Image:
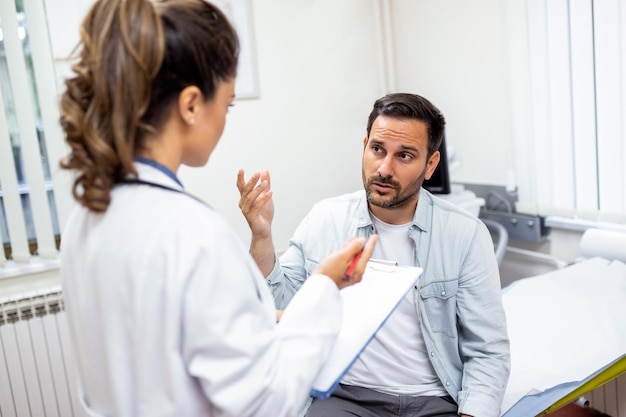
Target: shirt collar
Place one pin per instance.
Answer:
(420, 218)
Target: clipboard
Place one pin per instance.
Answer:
(552, 399)
(366, 307)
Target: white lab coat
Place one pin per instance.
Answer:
(170, 316)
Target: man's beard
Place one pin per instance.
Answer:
(400, 198)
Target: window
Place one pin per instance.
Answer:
(568, 72)
(30, 137)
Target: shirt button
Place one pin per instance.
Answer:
(448, 383)
(443, 293)
(432, 353)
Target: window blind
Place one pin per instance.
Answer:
(31, 139)
(568, 73)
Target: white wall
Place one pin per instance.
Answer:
(454, 53)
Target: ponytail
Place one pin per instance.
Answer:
(121, 49)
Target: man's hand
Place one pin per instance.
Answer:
(257, 206)
(256, 203)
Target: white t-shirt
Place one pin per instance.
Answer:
(395, 362)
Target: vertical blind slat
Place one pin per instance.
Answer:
(8, 177)
(45, 76)
(540, 102)
(560, 123)
(516, 22)
(608, 83)
(584, 109)
(622, 47)
(24, 106)
(11, 194)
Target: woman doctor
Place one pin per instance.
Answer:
(169, 315)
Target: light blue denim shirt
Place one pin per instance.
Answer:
(458, 297)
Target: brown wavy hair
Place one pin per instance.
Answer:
(133, 60)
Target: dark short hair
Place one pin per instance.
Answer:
(411, 107)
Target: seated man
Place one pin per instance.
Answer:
(445, 350)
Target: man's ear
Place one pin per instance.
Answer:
(432, 163)
(189, 101)
(364, 142)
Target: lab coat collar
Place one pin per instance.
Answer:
(149, 173)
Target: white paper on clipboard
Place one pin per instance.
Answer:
(366, 307)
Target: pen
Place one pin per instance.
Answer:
(348, 274)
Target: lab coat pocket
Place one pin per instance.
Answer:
(439, 300)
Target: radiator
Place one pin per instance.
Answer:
(37, 376)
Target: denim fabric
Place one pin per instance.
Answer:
(458, 295)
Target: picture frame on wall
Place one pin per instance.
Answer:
(240, 14)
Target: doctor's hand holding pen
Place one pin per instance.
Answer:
(346, 266)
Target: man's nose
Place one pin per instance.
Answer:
(385, 169)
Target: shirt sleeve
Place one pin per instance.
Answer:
(483, 339)
(290, 270)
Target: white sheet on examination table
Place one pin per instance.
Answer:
(564, 326)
